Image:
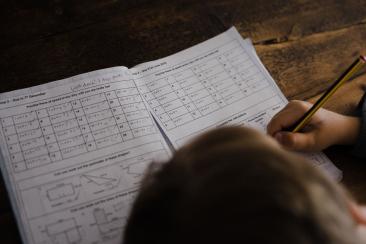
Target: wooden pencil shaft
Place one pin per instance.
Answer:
(350, 71)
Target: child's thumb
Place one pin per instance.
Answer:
(295, 141)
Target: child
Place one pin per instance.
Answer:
(325, 128)
(236, 185)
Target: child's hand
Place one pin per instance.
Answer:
(325, 128)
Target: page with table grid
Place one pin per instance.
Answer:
(216, 83)
(74, 153)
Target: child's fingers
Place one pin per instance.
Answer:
(287, 116)
(358, 212)
(296, 141)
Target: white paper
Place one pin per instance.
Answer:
(74, 151)
(74, 154)
(216, 83)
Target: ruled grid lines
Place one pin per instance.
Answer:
(70, 129)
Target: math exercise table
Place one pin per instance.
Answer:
(304, 45)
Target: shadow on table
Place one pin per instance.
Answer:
(354, 170)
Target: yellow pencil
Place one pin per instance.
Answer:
(355, 66)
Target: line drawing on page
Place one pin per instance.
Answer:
(64, 231)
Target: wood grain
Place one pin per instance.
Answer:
(96, 35)
(305, 67)
(264, 20)
(280, 21)
(305, 45)
(111, 43)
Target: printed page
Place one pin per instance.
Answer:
(216, 83)
(74, 152)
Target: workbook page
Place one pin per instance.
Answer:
(74, 152)
(216, 83)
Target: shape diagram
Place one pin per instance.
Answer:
(99, 180)
(96, 184)
(60, 191)
(64, 231)
(136, 169)
(108, 226)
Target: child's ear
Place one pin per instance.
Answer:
(358, 213)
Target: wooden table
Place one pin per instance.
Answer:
(303, 43)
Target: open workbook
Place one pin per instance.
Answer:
(74, 150)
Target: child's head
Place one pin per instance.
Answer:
(235, 185)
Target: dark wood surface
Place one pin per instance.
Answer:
(303, 43)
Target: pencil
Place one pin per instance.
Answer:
(350, 71)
